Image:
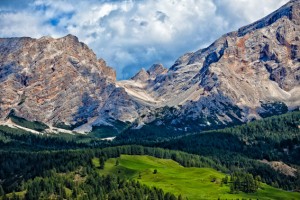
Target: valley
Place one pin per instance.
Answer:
(215, 154)
(221, 122)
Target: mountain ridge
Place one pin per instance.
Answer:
(205, 68)
(242, 76)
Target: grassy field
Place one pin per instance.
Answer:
(193, 183)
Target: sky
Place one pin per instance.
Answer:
(133, 34)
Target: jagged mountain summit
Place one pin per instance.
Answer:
(250, 73)
(54, 80)
(243, 75)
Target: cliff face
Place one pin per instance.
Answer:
(241, 76)
(52, 80)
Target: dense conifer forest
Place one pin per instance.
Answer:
(60, 166)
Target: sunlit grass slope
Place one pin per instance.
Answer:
(193, 183)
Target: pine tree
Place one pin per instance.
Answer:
(1, 191)
(232, 189)
(167, 196)
(14, 196)
(74, 193)
(5, 197)
(226, 179)
(152, 195)
(180, 197)
(172, 197)
(102, 163)
(257, 181)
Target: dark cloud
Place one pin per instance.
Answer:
(161, 16)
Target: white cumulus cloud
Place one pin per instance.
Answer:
(133, 34)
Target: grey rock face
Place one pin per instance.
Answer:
(142, 75)
(52, 80)
(155, 70)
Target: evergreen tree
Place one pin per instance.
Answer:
(241, 181)
(1, 191)
(180, 197)
(226, 179)
(102, 162)
(167, 196)
(74, 193)
(15, 197)
(5, 197)
(172, 197)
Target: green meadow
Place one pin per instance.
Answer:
(191, 183)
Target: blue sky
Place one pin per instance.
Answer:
(133, 34)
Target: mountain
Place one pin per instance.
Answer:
(246, 74)
(53, 80)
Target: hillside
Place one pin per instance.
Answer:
(191, 183)
(253, 146)
(15, 176)
(72, 171)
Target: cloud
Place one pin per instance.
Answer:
(133, 34)
(241, 12)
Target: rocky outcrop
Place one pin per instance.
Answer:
(155, 70)
(52, 80)
(152, 73)
(142, 76)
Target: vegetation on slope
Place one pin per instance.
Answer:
(241, 147)
(35, 125)
(191, 183)
(85, 183)
(17, 167)
(274, 139)
(15, 139)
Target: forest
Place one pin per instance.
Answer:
(36, 167)
(39, 173)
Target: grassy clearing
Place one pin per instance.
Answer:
(193, 183)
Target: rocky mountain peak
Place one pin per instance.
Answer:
(107, 71)
(289, 11)
(151, 73)
(43, 74)
(47, 37)
(156, 70)
(142, 76)
(70, 38)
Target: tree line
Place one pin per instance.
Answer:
(17, 167)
